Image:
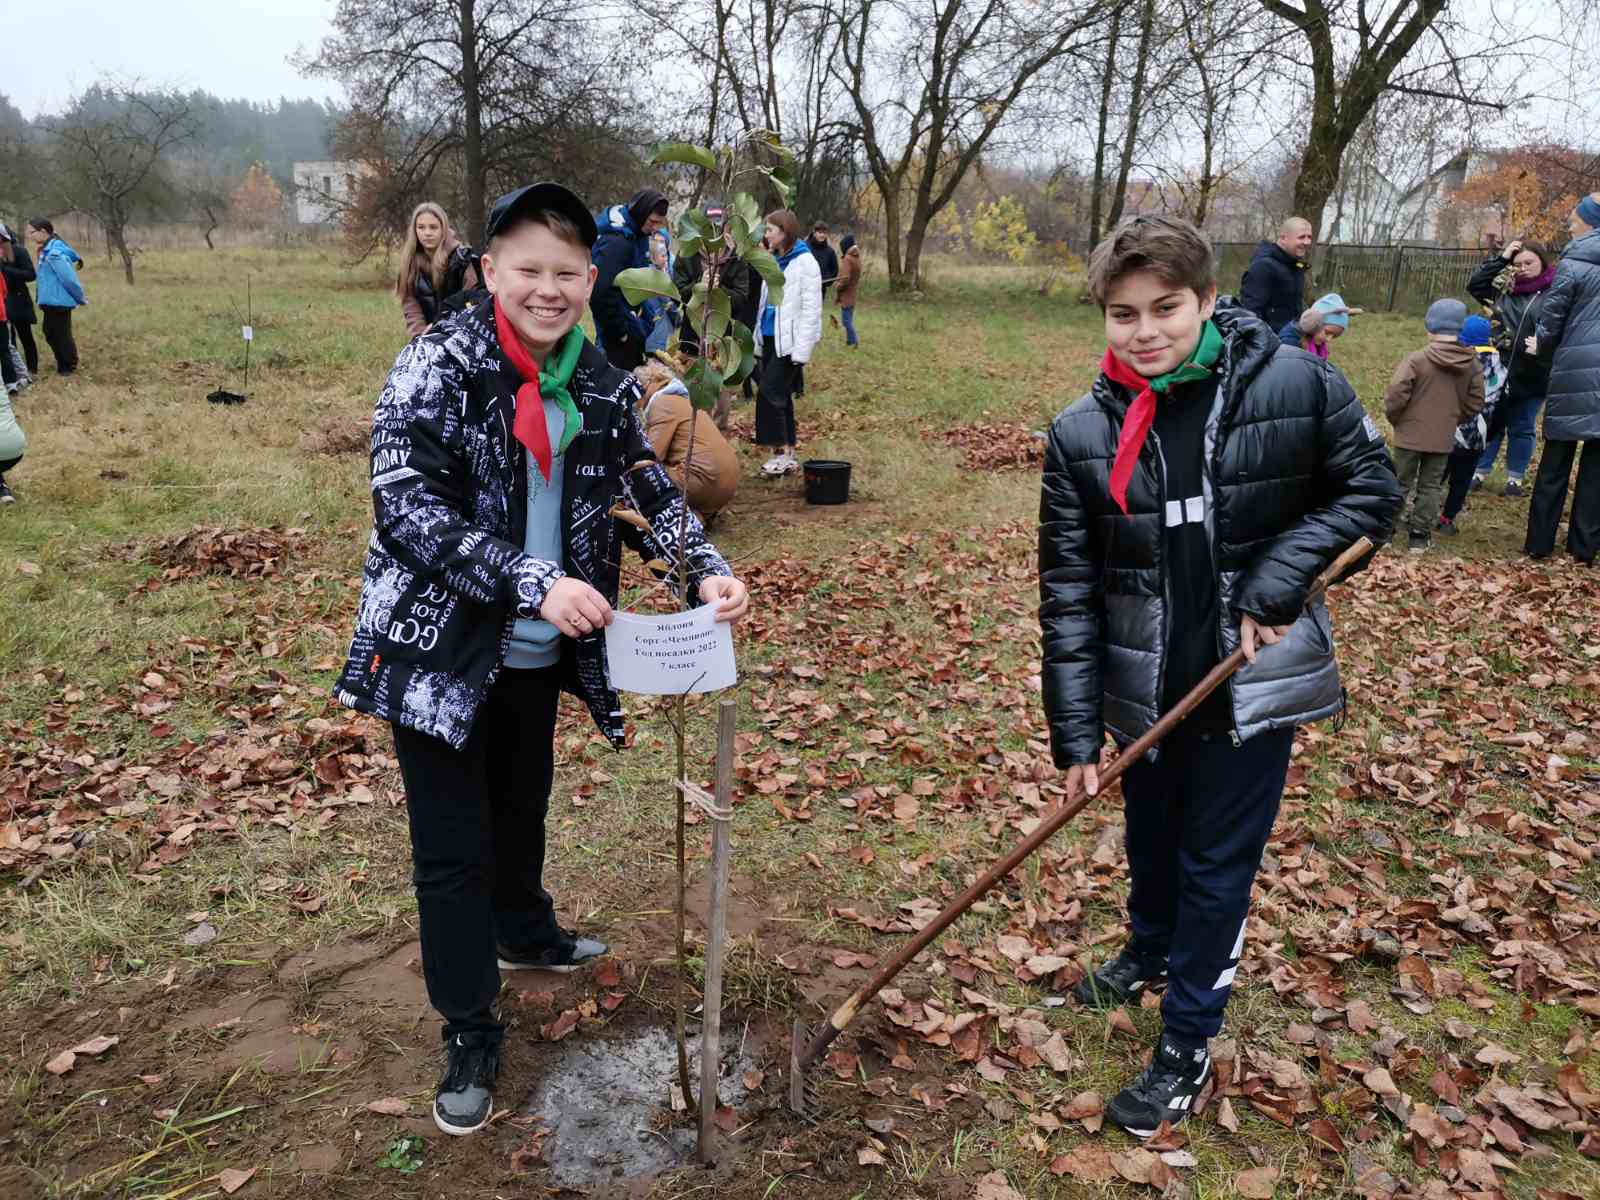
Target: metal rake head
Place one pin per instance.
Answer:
(802, 1084)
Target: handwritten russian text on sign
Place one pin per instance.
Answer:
(670, 655)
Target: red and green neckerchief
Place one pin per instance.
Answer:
(551, 381)
(1142, 412)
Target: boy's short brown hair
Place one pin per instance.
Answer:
(1169, 246)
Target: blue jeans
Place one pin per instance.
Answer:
(847, 315)
(1518, 416)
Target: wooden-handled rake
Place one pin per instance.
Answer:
(805, 1049)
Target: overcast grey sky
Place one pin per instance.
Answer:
(232, 48)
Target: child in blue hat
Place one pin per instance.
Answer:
(1472, 433)
(1319, 325)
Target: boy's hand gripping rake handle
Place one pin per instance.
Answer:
(801, 1058)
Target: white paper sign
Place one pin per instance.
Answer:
(249, 333)
(671, 655)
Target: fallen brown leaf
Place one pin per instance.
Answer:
(1258, 1183)
(1089, 1163)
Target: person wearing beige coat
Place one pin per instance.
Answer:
(712, 472)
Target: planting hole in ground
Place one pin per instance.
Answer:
(606, 1102)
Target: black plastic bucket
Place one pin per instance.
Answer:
(827, 481)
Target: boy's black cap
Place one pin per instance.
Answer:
(548, 196)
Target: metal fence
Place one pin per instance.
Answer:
(1376, 278)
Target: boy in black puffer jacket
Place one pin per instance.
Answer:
(1189, 501)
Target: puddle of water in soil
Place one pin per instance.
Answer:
(605, 1102)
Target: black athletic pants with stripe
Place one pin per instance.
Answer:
(1198, 819)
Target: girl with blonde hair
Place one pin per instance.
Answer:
(433, 267)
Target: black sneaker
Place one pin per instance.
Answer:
(571, 952)
(1513, 488)
(1165, 1090)
(464, 1100)
(1419, 542)
(1120, 980)
(5, 494)
(1477, 482)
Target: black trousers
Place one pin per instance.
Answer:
(8, 369)
(1458, 480)
(478, 842)
(1550, 497)
(775, 398)
(1198, 819)
(23, 332)
(58, 333)
(7, 465)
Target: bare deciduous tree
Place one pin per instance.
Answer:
(932, 84)
(501, 87)
(1359, 50)
(110, 155)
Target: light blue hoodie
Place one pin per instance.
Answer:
(58, 276)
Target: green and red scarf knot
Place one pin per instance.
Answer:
(550, 382)
(1141, 413)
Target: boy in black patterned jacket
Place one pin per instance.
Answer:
(500, 443)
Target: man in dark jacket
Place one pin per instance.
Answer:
(734, 276)
(1189, 502)
(622, 244)
(17, 268)
(827, 260)
(500, 443)
(1274, 284)
(1569, 332)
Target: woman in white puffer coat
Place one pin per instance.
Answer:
(786, 334)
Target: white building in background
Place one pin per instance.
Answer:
(321, 188)
(1370, 208)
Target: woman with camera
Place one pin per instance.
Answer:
(1512, 285)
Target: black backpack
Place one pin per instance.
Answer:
(458, 297)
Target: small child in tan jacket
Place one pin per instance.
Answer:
(1433, 390)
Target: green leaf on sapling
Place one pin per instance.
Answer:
(639, 283)
(767, 267)
(704, 382)
(683, 152)
(719, 311)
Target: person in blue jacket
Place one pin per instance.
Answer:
(624, 243)
(56, 264)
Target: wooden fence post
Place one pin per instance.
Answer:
(1394, 277)
(716, 929)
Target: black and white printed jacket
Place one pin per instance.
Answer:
(446, 576)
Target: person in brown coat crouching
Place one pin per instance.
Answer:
(1433, 390)
(712, 474)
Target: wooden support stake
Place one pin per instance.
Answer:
(717, 931)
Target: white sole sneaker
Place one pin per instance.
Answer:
(460, 1130)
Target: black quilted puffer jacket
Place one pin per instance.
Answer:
(1571, 323)
(1295, 471)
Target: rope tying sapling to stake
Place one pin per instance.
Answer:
(705, 801)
